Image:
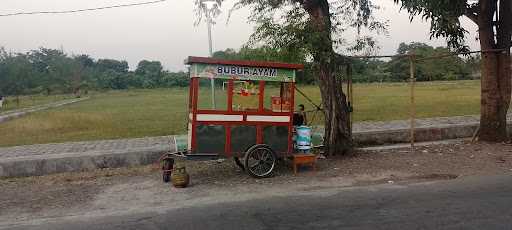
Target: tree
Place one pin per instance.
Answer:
(150, 72)
(228, 54)
(494, 21)
(262, 53)
(447, 68)
(314, 27)
(84, 65)
(52, 68)
(16, 73)
(177, 79)
(368, 70)
(111, 64)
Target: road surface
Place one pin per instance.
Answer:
(468, 203)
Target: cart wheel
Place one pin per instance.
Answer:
(167, 169)
(239, 163)
(260, 161)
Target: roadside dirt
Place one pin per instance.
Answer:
(122, 190)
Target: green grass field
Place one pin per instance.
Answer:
(140, 113)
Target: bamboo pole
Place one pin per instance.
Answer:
(347, 93)
(351, 99)
(412, 81)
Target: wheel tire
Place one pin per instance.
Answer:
(239, 163)
(168, 165)
(260, 161)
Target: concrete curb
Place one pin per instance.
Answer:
(9, 115)
(422, 134)
(73, 162)
(407, 146)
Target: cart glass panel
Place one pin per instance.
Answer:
(278, 96)
(276, 137)
(204, 96)
(246, 95)
(211, 138)
(242, 137)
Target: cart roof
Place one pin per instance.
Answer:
(201, 67)
(206, 60)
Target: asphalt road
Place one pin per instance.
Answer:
(470, 203)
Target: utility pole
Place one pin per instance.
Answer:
(208, 6)
(209, 32)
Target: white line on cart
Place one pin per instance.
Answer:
(268, 118)
(219, 117)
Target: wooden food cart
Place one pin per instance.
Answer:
(250, 120)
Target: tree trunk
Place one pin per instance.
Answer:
(493, 106)
(496, 74)
(337, 136)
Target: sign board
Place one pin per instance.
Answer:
(240, 72)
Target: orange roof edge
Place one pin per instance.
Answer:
(206, 60)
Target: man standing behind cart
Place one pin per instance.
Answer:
(299, 117)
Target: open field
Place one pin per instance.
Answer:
(139, 113)
(391, 101)
(10, 103)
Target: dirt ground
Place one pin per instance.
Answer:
(122, 190)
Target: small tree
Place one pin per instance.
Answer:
(151, 72)
(494, 21)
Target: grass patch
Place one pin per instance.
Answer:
(11, 103)
(391, 101)
(140, 113)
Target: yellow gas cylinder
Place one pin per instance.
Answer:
(180, 177)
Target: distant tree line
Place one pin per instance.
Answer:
(375, 70)
(436, 69)
(52, 71)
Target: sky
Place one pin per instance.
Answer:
(162, 32)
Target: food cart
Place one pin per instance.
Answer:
(250, 120)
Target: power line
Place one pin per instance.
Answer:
(81, 10)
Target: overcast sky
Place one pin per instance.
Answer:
(163, 32)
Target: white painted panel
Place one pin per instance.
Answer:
(219, 117)
(268, 118)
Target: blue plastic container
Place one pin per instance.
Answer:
(303, 139)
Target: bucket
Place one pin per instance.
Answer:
(181, 143)
(303, 140)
